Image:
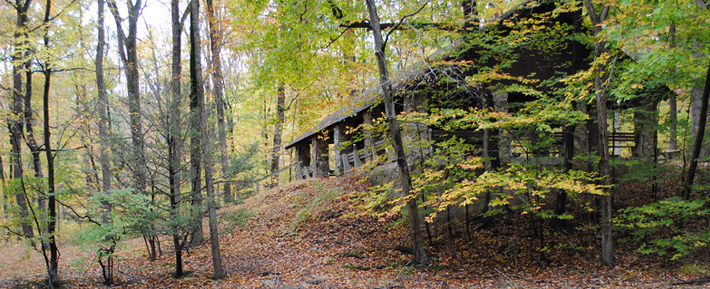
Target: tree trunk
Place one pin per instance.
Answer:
(102, 107)
(196, 101)
(278, 127)
(687, 188)
(604, 167)
(608, 258)
(51, 203)
(218, 80)
(5, 199)
(421, 257)
(173, 135)
(569, 130)
(696, 115)
(15, 124)
(53, 265)
(211, 206)
(672, 101)
(491, 154)
(29, 128)
(673, 125)
(127, 45)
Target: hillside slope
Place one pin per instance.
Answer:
(301, 235)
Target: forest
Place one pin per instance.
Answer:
(343, 144)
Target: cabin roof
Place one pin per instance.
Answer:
(366, 99)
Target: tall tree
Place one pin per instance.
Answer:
(53, 262)
(199, 126)
(102, 104)
(216, 42)
(672, 101)
(173, 132)
(597, 17)
(278, 131)
(127, 47)
(687, 188)
(701, 121)
(196, 115)
(421, 257)
(20, 56)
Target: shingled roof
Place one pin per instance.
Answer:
(357, 104)
(365, 100)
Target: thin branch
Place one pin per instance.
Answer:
(45, 23)
(185, 14)
(336, 38)
(400, 23)
(592, 12)
(604, 14)
(121, 34)
(11, 4)
(11, 231)
(84, 217)
(611, 73)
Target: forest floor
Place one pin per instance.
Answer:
(301, 235)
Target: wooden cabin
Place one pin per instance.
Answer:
(420, 88)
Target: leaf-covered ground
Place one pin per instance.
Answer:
(302, 236)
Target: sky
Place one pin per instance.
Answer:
(156, 13)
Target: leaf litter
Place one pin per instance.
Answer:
(303, 235)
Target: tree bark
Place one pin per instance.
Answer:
(196, 115)
(51, 203)
(673, 125)
(15, 121)
(218, 80)
(608, 258)
(696, 115)
(569, 130)
(687, 187)
(278, 127)
(173, 134)
(421, 257)
(127, 45)
(672, 101)
(197, 105)
(211, 206)
(53, 264)
(29, 128)
(102, 107)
